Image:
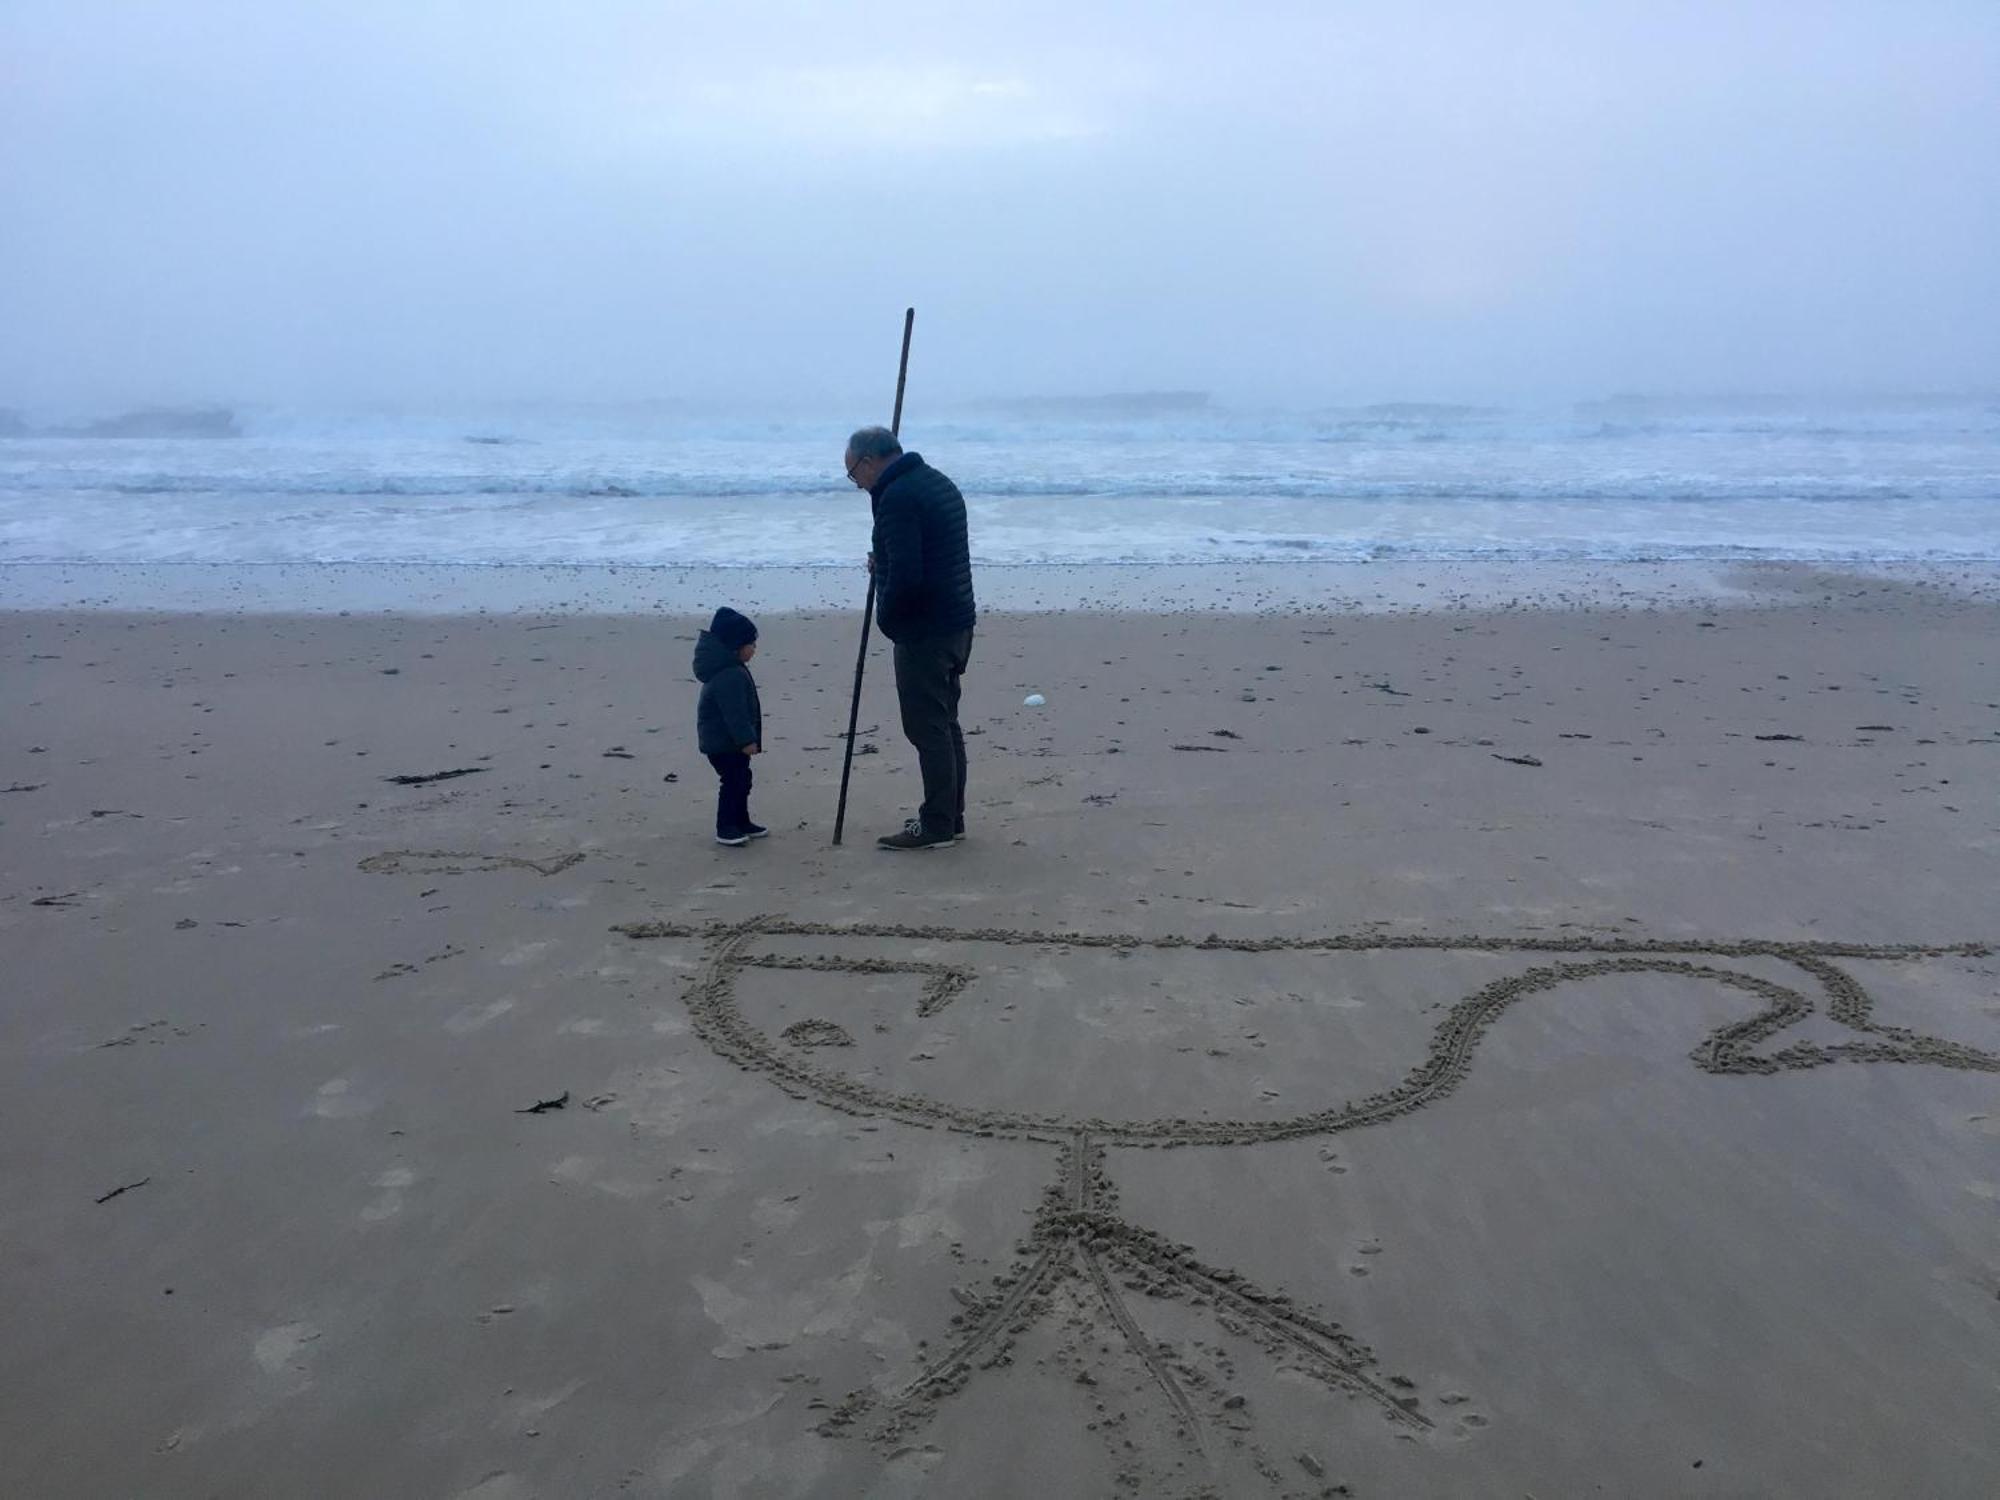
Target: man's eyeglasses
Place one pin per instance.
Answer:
(851, 463)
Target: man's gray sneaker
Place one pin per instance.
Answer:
(914, 837)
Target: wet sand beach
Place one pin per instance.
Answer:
(1474, 1051)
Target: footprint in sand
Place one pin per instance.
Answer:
(389, 1202)
(285, 1351)
(759, 1317)
(473, 1017)
(772, 1212)
(499, 1485)
(336, 1099)
(582, 1172)
(536, 1406)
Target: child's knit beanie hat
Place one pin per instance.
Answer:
(733, 630)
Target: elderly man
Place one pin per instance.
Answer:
(923, 594)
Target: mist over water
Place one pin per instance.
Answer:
(1284, 203)
(499, 284)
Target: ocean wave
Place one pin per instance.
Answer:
(1271, 554)
(1651, 488)
(1630, 481)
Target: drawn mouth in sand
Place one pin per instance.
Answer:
(759, 975)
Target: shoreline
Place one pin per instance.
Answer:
(1226, 588)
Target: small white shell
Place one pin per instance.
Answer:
(1033, 700)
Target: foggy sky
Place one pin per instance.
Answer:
(1290, 203)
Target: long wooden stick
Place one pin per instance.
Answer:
(868, 607)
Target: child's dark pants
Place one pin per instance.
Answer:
(732, 802)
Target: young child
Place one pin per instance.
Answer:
(730, 721)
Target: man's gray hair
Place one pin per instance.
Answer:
(873, 442)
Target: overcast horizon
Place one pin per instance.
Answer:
(1291, 205)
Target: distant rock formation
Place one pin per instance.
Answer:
(160, 422)
(1115, 404)
(1421, 411)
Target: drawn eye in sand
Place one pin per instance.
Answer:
(1201, 1043)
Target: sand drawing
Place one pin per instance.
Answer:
(446, 862)
(1084, 1255)
(816, 1032)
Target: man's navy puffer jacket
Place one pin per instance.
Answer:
(923, 563)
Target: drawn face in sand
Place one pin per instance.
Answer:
(1238, 1043)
